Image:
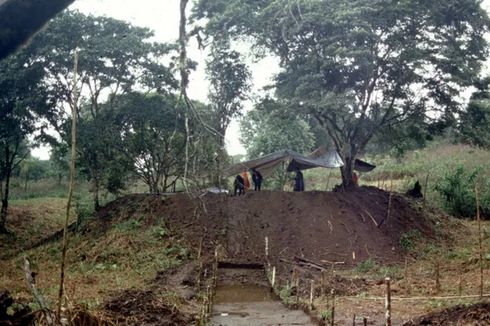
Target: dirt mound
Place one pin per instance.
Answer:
(346, 227)
(478, 314)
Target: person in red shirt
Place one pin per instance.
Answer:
(246, 180)
(355, 179)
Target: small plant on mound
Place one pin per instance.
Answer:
(409, 239)
(366, 266)
(326, 315)
(285, 293)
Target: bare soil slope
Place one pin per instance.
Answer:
(322, 226)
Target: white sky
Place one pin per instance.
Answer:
(162, 16)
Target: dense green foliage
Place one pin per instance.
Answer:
(153, 138)
(229, 80)
(457, 187)
(359, 66)
(23, 104)
(475, 120)
(270, 127)
(114, 58)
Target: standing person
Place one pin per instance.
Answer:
(355, 179)
(257, 179)
(238, 183)
(246, 180)
(299, 184)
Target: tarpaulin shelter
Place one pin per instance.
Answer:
(332, 158)
(319, 158)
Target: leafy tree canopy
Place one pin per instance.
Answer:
(269, 127)
(360, 65)
(475, 120)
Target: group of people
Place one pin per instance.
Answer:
(242, 182)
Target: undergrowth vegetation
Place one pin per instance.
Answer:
(126, 255)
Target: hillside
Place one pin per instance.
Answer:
(136, 261)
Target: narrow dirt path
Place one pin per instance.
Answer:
(243, 298)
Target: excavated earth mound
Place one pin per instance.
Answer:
(303, 229)
(348, 227)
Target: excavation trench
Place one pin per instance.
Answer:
(243, 297)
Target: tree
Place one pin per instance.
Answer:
(358, 66)
(474, 125)
(154, 138)
(229, 84)
(413, 133)
(114, 58)
(23, 104)
(270, 127)
(33, 168)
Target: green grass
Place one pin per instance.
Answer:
(435, 160)
(127, 255)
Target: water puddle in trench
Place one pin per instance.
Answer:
(238, 293)
(243, 298)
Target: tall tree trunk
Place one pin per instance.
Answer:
(346, 172)
(221, 159)
(5, 202)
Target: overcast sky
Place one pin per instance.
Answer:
(162, 16)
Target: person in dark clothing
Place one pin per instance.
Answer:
(239, 185)
(299, 184)
(416, 191)
(257, 179)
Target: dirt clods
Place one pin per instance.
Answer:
(478, 314)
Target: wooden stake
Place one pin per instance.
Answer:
(267, 249)
(208, 296)
(460, 286)
(273, 280)
(480, 242)
(323, 282)
(389, 205)
(295, 278)
(437, 276)
(406, 277)
(388, 302)
(354, 320)
(332, 321)
(198, 277)
(364, 321)
(311, 294)
(199, 251)
(425, 189)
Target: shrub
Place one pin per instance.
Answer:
(365, 266)
(409, 239)
(457, 190)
